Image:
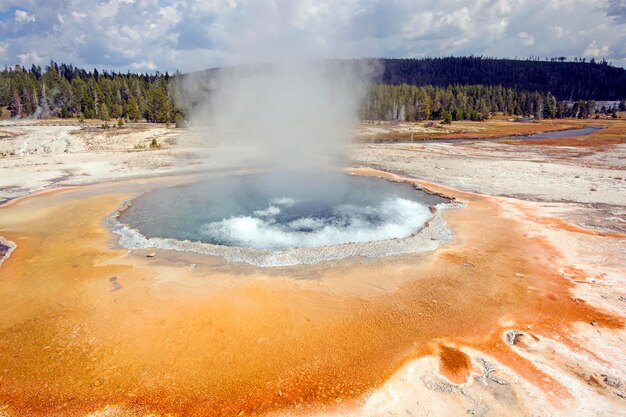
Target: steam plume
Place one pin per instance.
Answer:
(294, 115)
(282, 102)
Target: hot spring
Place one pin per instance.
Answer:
(273, 215)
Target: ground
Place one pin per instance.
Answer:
(522, 314)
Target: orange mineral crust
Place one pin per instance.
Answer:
(454, 364)
(85, 324)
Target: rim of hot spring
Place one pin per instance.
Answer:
(431, 235)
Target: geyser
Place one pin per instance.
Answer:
(298, 210)
(291, 120)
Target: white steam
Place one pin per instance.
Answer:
(284, 116)
(282, 98)
(392, 218)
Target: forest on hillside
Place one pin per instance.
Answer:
(466, 102)
(578, 79)
(407, 90)
(66, 91)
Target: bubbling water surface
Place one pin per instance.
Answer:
(282, 210)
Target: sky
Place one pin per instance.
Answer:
(189, 35)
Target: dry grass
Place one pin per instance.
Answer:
(492, 128)
(614, 134)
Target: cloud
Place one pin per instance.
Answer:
(617, 10)
(22, 17)
(195, 34)
(30, 57)
(77, 15)
(526, 39)
(596, 51)
(558, 31)
(143, 65)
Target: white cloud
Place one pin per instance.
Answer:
(504, 7)
(558, 31)
(526, 38)
(196, 34)
(31, 57)
(80, 39)
(170, 15)
(144, 65)
(131, 33)
(22, 17)
(78, 16)
(596, 51)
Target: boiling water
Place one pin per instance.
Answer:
(282, 210)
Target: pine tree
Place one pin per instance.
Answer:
(133, 110)
(103, 113)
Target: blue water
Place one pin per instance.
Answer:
(277, 211)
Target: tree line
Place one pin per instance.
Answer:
(407, 90)
(465, 102)
(66, 91)
(566, 80)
